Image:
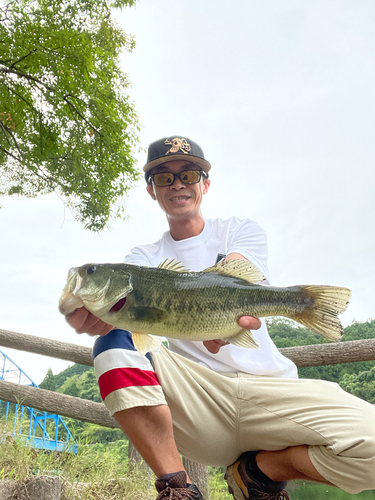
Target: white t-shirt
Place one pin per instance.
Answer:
(218, 239)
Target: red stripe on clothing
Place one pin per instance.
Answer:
(118, 378)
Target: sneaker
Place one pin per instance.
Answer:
(242, 486)
(175, 487)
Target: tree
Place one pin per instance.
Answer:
(71, 386)
(66, 122)
(361, 385)
(89, 388)
(49, 381)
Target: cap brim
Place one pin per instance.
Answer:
(204, 164)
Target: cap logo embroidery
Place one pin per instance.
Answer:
(178, 144)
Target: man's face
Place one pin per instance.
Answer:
(179, 200)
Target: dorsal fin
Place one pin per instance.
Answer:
(173, 265)
(237, 268)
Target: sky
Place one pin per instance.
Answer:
(280, 95)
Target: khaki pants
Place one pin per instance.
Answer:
(219, 416)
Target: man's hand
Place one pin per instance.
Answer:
(249, 323)
(214, 346)
(246, 322)
(85, 322)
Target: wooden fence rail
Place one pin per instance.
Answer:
(88, 411)
(309, 355)
(54, 402)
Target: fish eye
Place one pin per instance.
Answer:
(91, 270)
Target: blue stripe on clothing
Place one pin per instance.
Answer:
(115, 339)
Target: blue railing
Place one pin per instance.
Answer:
(36, 421)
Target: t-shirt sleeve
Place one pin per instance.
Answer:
(137, 257)
(249, 239)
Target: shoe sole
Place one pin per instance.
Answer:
(233, 487)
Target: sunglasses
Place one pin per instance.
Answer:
(186, 177)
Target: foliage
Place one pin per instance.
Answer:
(66, 122)
(53, 382)
(82, 386)
(287, 333)
(217, 485)
(361, 385)
(49, 382)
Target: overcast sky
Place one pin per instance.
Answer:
(280, 95)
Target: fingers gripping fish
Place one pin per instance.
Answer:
(171, 301)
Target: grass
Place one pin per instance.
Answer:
(103, 472)
(89, 475)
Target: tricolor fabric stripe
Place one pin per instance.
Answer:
(126, 379)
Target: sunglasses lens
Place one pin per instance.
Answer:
(190, 176)
(167, 178)
(163, 179)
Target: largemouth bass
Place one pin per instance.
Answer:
(171, 301)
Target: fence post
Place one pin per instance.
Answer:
(198, 473)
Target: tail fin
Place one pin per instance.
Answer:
(326, 303)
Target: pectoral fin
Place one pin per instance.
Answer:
(243, 339)
(145, 343)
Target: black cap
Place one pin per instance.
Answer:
(174, 148)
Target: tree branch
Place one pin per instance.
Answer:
(16, 144)
(5, 132)
(28, 77)
(10, 154)
(51, 89)
(5, 9)
(24, 57)
(50, 181)
(30, 105)
(71, 105)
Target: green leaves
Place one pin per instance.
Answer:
(361, 385)
(66, 123)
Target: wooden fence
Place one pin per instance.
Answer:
(96, 413)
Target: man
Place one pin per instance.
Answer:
(215, 403)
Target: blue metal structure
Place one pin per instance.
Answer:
(43, 430)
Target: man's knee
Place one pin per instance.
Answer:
(349, 460)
